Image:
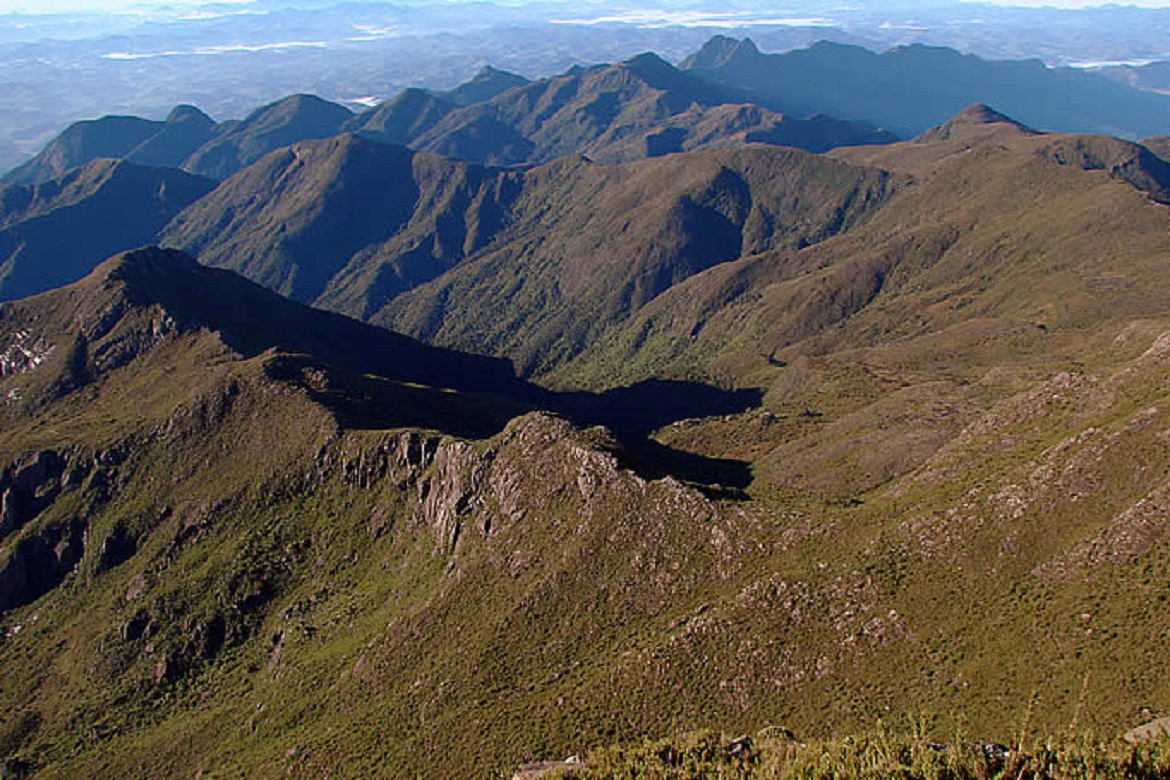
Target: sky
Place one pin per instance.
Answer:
(54, 6)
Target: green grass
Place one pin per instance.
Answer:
(940, 498)
(877, 755)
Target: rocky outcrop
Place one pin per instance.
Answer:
(455, 485)
(44, 547)
(1148, 732)
(27, 487)
(23, 352)
(39, 562)
(447, 477)
(454, 491)
(546, 770)
(117, 548)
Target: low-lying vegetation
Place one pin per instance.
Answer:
(774, 754)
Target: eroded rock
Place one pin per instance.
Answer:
(27, 487)
(23, 352)
(1148, 732)
(39, 562)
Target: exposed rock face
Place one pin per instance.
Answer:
(38, 563)
(456, 486)
(47, 548)
(454, 491)
(115, 549)
(27, 487)
(24, 352)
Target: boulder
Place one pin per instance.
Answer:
(1148, 732)
(549, 769)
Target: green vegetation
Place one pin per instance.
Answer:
(876, 755)
(271, 540)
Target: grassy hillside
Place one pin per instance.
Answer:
(586, 246)
(262, 554)
(531, 264)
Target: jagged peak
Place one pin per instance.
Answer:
(720, 51)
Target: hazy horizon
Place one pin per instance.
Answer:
(122, 6)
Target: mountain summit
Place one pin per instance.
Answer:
(722, 51)
(976, 115)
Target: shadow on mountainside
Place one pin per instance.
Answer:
(633, 413)
(371, 378)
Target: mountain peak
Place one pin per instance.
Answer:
(291, 119)
(188, 113)
(721, 51)
(648, 59)
(652, 69)
(973, 116)
(981, 114)
(251, 319)
(487, 73)
(484, 86)
(140, 266)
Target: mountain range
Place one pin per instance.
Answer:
(728, 92)
(747, 437)
(643, 107)
(909, 89)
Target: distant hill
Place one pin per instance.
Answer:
(345, 217)
(909, 89)
(408, 115)
(585, 246)
(1152, 76)
(83, 142)
(1159, 145)
(187, 139)
(185, 130)
(54, 232)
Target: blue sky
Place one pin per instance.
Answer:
(53, 6)
(48, 6)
